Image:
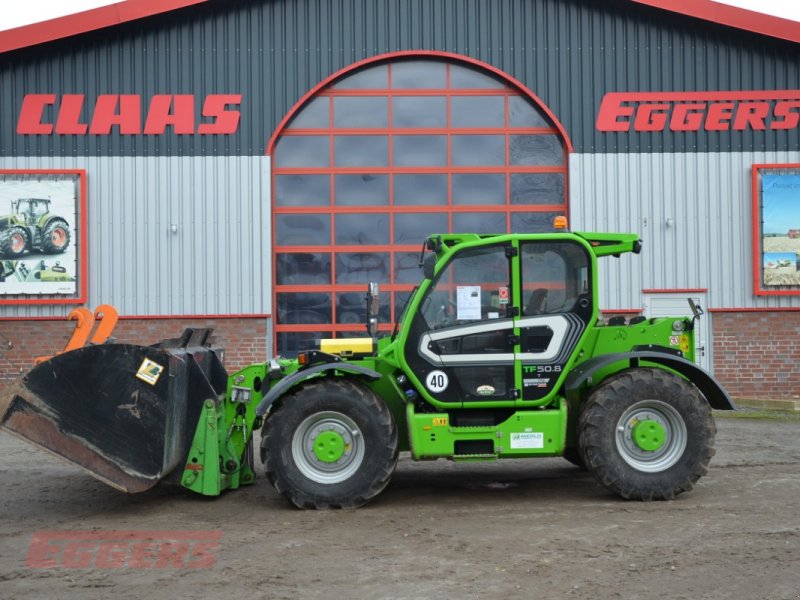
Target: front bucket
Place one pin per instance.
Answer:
(123, 412)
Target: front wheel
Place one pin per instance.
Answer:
(13, 242)
(55, 237)
(647, 434)
(331, 443)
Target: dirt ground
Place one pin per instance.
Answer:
(513, 529)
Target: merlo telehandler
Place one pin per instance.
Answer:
(500, 352)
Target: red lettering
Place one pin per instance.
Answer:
(69, 115)
(172, 554)
(719, 116)
(225, 121)
(106, 115)
(142, 553)
(160, 115)
(611, 110)
(31, 113)
(651, 117)
(751, 114)
(78, 555)
(787, 110)
(111, 555)
(203, 555)
(42, 552)
(687, 117)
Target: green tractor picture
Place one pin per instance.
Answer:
(30, 227)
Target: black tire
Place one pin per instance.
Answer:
(664, 405)
(55, 237)
(13, 242)
(367, 445)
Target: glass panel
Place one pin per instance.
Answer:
(554, 274)
(362, 267)
(479, 222)
(419, 74)
(362, 229)
(533, 222)
(477, 111)
(361, 112)
(375, 77)
(419, 150)
(361, 150)
(420, 189)
(352, 310)
(481, 188)
(479, 150)
(419, 111)
(303, 268)
(289, 344)
(362, 190)
(400, 299)
(406, 267)
(469, 288)
(539, 150)
(465, 77)
(413, 228)
(302, 230)
(303, 151)
(537, 188)
(303, 308)
(313, 115)
(302, 190)
(523, 113)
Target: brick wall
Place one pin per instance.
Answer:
(757, 354)
(244, 340)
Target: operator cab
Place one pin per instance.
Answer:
(500, 320)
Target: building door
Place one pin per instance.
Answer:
(675, 304)
(381, 155)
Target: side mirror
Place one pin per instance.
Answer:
(373, 308)
(429, 266)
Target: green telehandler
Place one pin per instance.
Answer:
(499, 352)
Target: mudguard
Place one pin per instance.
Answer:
(287, 383)
(714, 393)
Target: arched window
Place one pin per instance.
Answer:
(386, 154)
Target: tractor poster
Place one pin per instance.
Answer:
(780, 205)
(38, 241)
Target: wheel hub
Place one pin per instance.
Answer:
(649, 435)
(329, 446)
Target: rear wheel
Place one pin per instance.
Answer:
(330, 444)
(13, 242)
(55, 237)
(647, 434)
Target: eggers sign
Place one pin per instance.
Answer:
(692, 111)
(219, 114)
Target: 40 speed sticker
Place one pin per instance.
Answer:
(437, 381)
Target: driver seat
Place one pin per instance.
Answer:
(536, 302)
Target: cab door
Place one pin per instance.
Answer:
(461, 339)
(556, 308)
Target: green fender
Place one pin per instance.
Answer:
(287, 383)
(714, 393)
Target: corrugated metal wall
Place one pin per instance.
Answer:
(708, 244)
(219, 260)
(569, 52)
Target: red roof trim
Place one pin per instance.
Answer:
(88, 20)
(732, 16)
